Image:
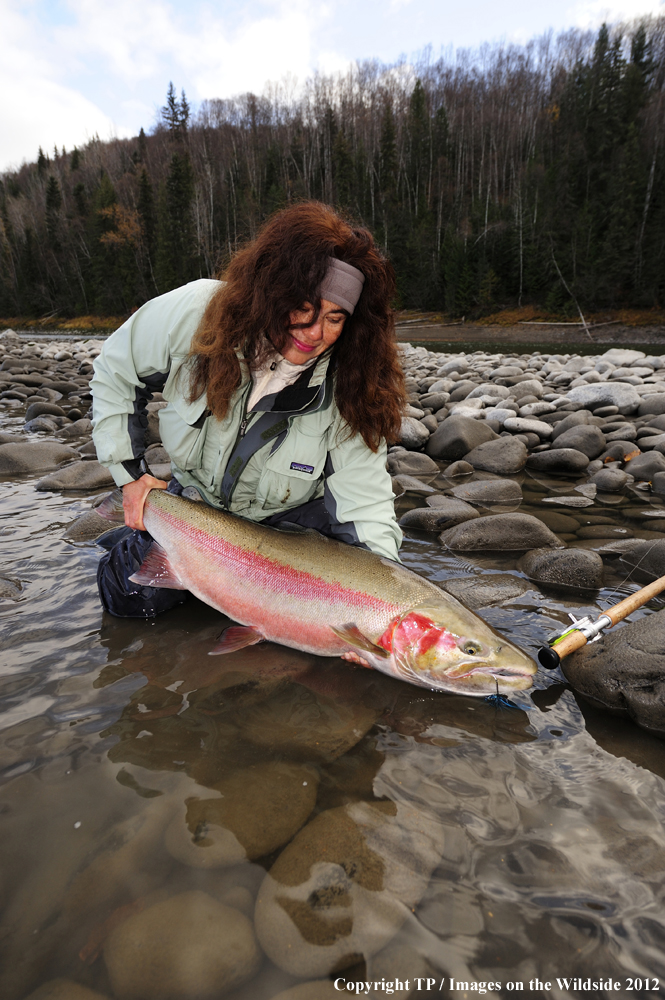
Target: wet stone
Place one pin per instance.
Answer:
(33, 456)
(610, 480)
(504, 455)
(484, 591)
(261, 807)
(557, 522)
(343, 887)
(65, 989)
(188, 946)
(658, 482)
(652, 404)
(625, 671)
(413, 463)
(620, 451)
(603, 394)
(642, 467)
(10, 588)
(485, 491)
(437, 518)
(569, 567)
(562, 460)
(460, 468)
(40, 424)
(526, 425)
(604, 531)
(457, 436)
(39, 409)
(498, 532)
(588, 439)
(413, 433)
(88, 475)
(79, 427)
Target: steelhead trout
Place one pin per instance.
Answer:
(322, 596)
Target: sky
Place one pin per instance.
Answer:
(71, 69)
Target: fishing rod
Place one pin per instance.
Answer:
(585, 630)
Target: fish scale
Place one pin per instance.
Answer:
(322, 596)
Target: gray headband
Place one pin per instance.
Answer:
(342, 284)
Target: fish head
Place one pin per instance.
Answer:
(451, 649)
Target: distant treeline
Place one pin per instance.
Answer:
(511, 175)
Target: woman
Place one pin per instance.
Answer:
(283, 386)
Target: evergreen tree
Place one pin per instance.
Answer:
(176, 252)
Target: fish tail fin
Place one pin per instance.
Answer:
(111, 508)
(157, 571)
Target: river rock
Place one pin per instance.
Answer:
(489, 389)
(625, 671)
(12, 438)
(528, 387)
(620, 451)
(619, 356)
(563, 460)
(408, 484)
(187, 946)
(39, 409)
(643, 467)
(486, 491)
(89, 475)
(434, 400)
(261, 807)
(500, 532)
(610, 480)
(40, 424)
(316, 989)
(603, 394)
(435, 517)
(556, 521)
(588, 439)
(649, 556)
(462, 390)
(484, 591)
(458, 469)
(11, 589)
(33, 456)
(652, 404)
(572, 420)
(457, 436)
(413, 433)
(658, 482)
(655, 443)
(66, 388)
(76, 429)
(65, 989)
(345, 884)
(504, 455)
(580, 568)
(527, 425)
(411, 463)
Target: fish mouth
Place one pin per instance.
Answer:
(472, 678)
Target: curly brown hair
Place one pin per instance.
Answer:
(276, 274)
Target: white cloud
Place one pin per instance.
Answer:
(592, 13)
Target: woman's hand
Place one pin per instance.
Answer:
(133, 499)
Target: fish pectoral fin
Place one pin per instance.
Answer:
(111, 508)
(236, 637)
(351, 633)
(157, 571)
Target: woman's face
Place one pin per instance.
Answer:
(304, 341)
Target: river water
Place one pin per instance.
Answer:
(546, 850)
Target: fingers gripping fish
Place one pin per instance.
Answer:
(321, 596)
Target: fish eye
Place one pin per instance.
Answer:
(471, 648)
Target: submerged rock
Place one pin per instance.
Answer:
(484, 591)
(610, 480)
(486, 491)
(409, 484)
(457, 436)
(435, 518)
(33, 456)
(580, 568)
(10, 589)
(65, 989)
(261, 807)
(510, 532)
(503, 456)
(625, 671)
(89, 475)
(345, 884)
(187, 946)
(458, 469)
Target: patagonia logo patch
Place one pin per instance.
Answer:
(299, 467)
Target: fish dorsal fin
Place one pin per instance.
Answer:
(351, 633)
(157, 571)
(236, 637)
(111, 508)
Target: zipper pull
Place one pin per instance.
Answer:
(243, 427)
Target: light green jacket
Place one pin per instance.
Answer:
(149, 353)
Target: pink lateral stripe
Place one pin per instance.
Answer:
(261, 571)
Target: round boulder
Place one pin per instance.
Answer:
(528, 425)
(486, 491)
(652, 404)
(642, 467)
(435, 517)
(458, 469)
(588, 439)
(457, 436)
(484, 591)
(500, 532)
(39, 409)
(345, 884)
(261, 807)
(413, 433)
(625, 671)
(603, 394)
(610, 480)
(187, 946)
(411, 463)
(504, 455)
(89, 475)
(563, 460)
(33, 456)
(579, 568)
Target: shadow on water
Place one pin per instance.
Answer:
(325, 819)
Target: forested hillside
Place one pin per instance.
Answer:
(507, 176)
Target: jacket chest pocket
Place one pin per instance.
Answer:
(291, 475)
(183, 441)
